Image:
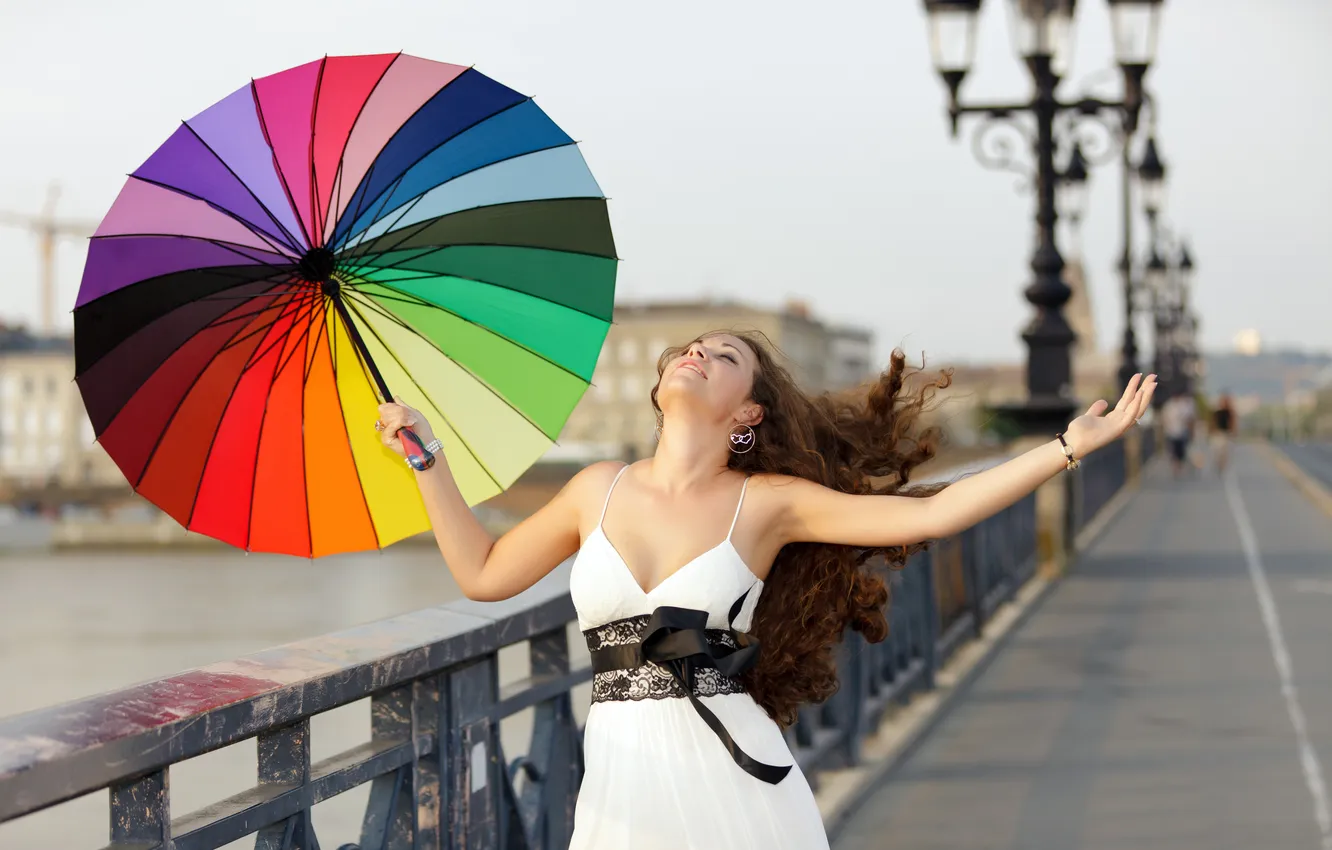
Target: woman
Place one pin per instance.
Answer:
(1223, 427)
(750, 526)
(1177, 424)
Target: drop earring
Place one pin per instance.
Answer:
(742, 441)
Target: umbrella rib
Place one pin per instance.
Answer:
(212, 442)
(409, 298)
(233, 247)
(310, 308)
(308, 366)
(407, 208)
(294, 243)
(258, 311)
(447, 420)
(382, 197)
(475, 377)
(241, 280)
(254, 477)
(496, 284)
(371, 168)
(342, 414)
(305, 466)
(418, 227)
(172, 418)
(211, 324)
(418, 198)
(300, 305)
(278, 246)
(305, 331)
(282, 178)
(241, 297)
(310, 160)
(432, 248)
(335, 202)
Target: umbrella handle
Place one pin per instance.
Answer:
(418, 456)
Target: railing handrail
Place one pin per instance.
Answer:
(52, 754)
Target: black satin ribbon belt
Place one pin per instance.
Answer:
(676, 639)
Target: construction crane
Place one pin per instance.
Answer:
(48, 229)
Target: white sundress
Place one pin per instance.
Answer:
(658, 776)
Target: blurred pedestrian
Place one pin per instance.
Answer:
(1223, 429)
(1178, 418)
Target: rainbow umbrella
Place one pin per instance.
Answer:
(320, 240)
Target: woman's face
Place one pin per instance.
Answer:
(716, 371)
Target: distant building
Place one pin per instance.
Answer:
(851, 357)
(45, 436)
(615, 417)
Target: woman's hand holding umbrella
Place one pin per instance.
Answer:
(396, 417)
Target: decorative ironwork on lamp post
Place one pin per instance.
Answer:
(1042, 36)
(1169, 286)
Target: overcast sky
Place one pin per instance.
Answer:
(756, 150)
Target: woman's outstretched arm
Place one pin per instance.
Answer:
(810, 512)
(487, 569)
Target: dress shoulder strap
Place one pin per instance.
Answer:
(606, 504)
(738, 506)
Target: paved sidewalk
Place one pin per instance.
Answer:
(1142, 706)
(1315, 459)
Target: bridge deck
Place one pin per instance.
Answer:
(1143, 705)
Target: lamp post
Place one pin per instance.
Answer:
(1151, 181)
(1042, 37)
(1170, 285)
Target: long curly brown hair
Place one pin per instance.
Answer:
(856, 443)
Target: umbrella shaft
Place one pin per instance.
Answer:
(384, 394)
(418, 456)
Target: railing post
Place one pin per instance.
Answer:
(971, 555)
(857, 692)
(427, 788)
(141, 811)
(929, 615)
(284, 759)
(472, 756)
(553, 764)
(403, 810)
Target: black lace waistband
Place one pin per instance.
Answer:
(623, 673)
(673, 654)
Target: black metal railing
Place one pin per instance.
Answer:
(1100, 477)
(1147, 445)
(437, 772)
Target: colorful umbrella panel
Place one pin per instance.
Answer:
(443, 215)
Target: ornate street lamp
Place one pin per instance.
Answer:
(1150, 173)
(1170, 284)
(1159, 283)
(1151, 177)
(1071, 193)
(1042, 35)
(1134, 26)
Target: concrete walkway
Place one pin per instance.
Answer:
(1174, 691)
(1314, 458)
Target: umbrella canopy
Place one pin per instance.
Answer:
(322, 235)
